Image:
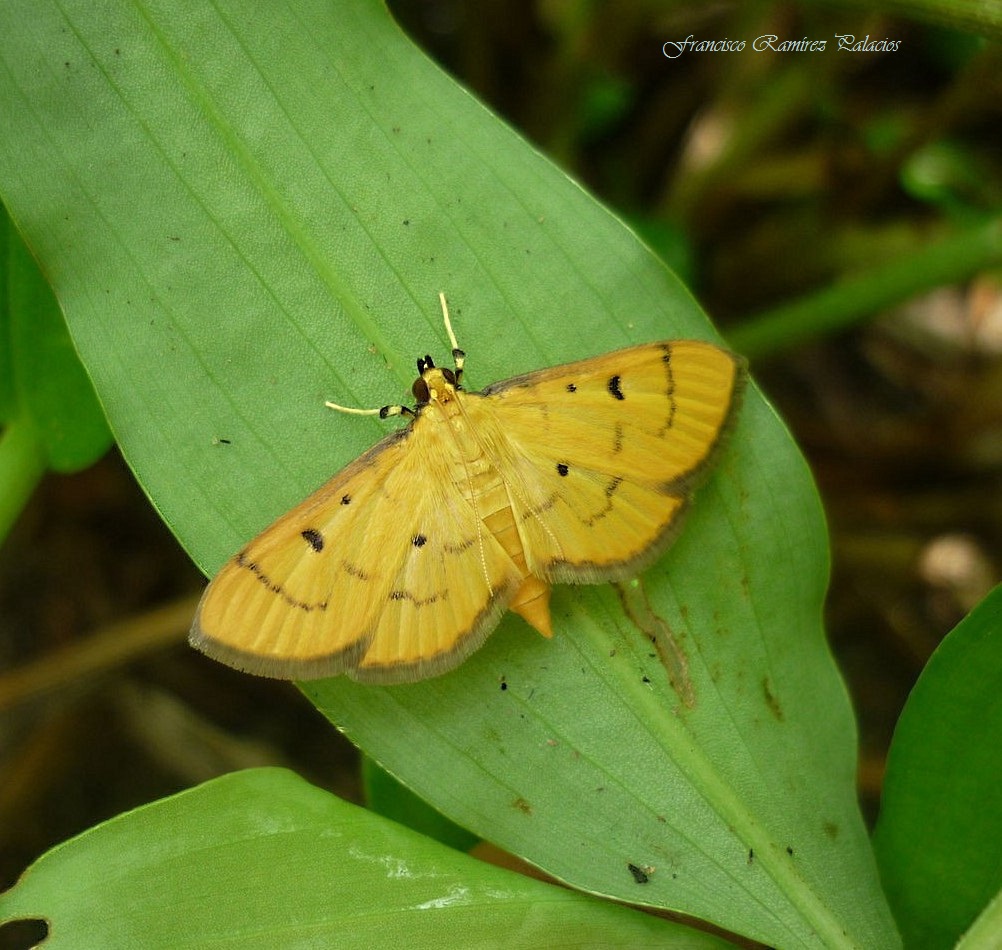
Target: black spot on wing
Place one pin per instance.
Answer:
(562, 469)
(571, 388)
(613, 387)
(419, 540)
(314, 539)
(346, 499)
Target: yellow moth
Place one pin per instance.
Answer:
(404, 562)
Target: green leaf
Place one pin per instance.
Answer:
(937, 839)
(323, 873)
(387, 797)
(48, 384)
(48, 411)
(255, 213)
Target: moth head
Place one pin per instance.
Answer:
(438, 384)
(434, 384)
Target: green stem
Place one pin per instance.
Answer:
(858, 298)
(22, 464)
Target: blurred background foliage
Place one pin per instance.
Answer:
(770, 181)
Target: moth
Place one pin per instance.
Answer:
(405, 561)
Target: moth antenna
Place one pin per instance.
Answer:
(383, 412)
(457, 354)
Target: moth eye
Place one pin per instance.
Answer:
(420, 391)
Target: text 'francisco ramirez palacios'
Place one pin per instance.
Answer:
(844, 42)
